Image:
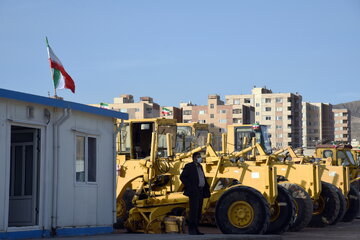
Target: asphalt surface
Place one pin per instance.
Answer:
(348, 231)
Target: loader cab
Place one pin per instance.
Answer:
(190, 136)
(340, 155)
(134, 137)
(237, 134)
(356, 155)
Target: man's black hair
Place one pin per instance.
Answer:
(195, 156)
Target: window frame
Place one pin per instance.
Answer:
(86, 158)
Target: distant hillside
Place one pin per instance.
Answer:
(354, 108)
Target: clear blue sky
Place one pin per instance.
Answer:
(183, 50)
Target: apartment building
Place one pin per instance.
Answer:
(171, 113)
(145, 108)
(281, 112)
(318, 123)
(217, 114)
(342, 125)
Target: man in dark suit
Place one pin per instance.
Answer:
(196, 188)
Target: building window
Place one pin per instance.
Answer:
(257, 113)
(236, 101)
(236, 111)
(237, 120)
(211, 106)
(278, 126)
(124, 110)
(247, 100)
(267, 100)
(267, 117)
(222, 121)
(187, 121)
(211, 115)
(223, 111)
(202, 121)
(137, 109)
(148, 110)
(279, 135)
(279, 109)
(85, 159)
(289, 99)
(279, 144)
(211, 125)
(257, 105)
(201, 112)
(278, 117)
(267, 109)
(278, 100)
(187, 112)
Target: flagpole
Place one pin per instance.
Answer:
(47, 45)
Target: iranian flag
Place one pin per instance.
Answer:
(166, 111)
(60, 77)
(104, 105)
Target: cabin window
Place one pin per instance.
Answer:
(86, 151)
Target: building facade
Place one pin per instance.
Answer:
(342, 125)
(145, 108)
(281, 112)
(318, 123)
(57, 167)
(217, 114)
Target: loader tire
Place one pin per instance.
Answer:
(125, 203)
(326, 208)
(242, 210)
(342, 209)
(353, 200)
(356, 184)
(283, 212)
(303, 206)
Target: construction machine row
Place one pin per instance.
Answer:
(253, 190)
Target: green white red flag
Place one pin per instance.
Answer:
(166, 112)
(60, 77)
(104, 105)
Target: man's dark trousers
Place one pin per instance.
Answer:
(195, 206)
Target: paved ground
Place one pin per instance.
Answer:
(348, 231)
(341, 230)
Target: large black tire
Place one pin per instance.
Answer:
(283, 212)
(343, 204)
(126, 203)
(242, 210)
(353, 200)
(356, 184)
(303, 206)
(326, 208)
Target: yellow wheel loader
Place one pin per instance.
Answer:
(321, 198)
(229, 172)
(337, 156)
(148, 174)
